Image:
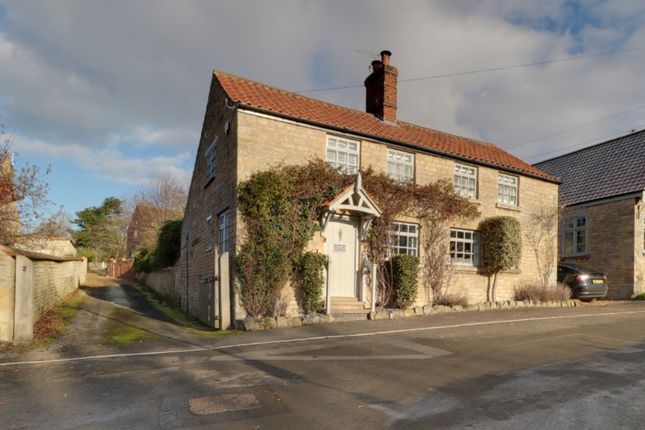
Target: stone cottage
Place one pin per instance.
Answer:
(603, 220)
(249, 126)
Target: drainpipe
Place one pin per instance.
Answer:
(328, 297)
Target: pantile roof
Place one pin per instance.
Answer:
(260, 97)
(608, 169)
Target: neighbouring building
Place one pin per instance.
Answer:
(9, 220)
(249, 126)
(142, 230)
(603, 218)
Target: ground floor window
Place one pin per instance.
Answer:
(404, 238)
(574, 235)
(464, 247)
(223, 231)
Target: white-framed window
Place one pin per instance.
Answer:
(464, 247)
(343, 154)
(211, 160)
(404, 238)
(209, 233)
(507, 189)
(574, 235)
(400, 165)
(224, 222)
(465, 181)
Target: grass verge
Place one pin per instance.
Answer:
(178, 316)
(640, 296)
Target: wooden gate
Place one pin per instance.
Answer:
(214, 295)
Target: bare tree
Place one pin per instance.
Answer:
(437, 266)
(23, 195)
(542, 237)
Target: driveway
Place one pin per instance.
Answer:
(520, 369)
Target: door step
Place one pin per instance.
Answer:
(347, 316)
(346, 305)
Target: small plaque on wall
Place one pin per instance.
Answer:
(340, 247)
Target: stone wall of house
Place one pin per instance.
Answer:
(196, 263)
(611, 244)
(265, 142)
(55, 280)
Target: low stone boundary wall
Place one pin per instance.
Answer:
(252, 324)
(161, 282)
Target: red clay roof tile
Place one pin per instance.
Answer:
(255, 95)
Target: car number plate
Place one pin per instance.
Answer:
(597, 281)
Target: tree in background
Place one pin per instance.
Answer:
(23, 196)
(101, 230)
(57, 225)
(501, 248)
(543, 238)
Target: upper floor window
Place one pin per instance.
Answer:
(465, 181)
(211, 160)
(224, 220)
(464, 247)
(404, 238)
(400, 165)
(507, 189)
(342, 154)
(574, 235)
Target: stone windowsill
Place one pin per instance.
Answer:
(507, 207)
(475, 202)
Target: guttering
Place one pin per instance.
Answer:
(395, 142)
(588, 203)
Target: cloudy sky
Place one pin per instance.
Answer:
(112, 94)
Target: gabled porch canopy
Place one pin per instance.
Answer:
(352, 200)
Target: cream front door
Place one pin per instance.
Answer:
(342, 245)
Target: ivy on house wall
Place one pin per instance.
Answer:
(281, 208)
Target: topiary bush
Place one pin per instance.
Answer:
(501, 248)
(405, 280)
(309, 279)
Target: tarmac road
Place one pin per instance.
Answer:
(580, 368)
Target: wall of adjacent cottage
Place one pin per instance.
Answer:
(264, 142)
(611, 244)
(639, 249)
(53, 281)
(196, 263)
(7, 296)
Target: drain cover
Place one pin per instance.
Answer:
(223, 403)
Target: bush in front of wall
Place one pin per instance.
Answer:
(405, 269)
(143, 260)
(168, 244)
(309, 278)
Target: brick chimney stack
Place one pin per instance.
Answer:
(380, 89)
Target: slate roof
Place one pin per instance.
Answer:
(608, 169)
(260, 97)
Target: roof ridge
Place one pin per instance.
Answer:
(631, 133)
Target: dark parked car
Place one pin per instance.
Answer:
(585, 284)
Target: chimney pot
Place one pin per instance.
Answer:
(385, 57)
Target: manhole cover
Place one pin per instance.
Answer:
(223, 403)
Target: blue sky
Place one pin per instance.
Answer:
(112, 94)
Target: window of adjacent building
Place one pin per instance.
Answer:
(400, 165)
(465, 181)
(224, 220)
(211, 160)
(343, 154)
(464, 247)
(574, 235)
(507, 189)
(404, 238)
(209, 233)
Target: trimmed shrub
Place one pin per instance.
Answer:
(501, 247)
(143, 260)
(640, 296)
(540, 293)
(405, 269)
(310, 280)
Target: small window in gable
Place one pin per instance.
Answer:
(211, 160)
(343, 154)
(400, 165)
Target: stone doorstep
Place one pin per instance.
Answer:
(253, 324)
